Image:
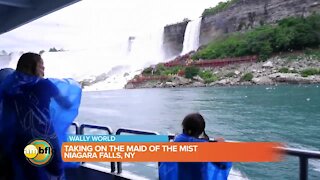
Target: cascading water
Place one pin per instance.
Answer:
(147, 49)
(191, 36)
(102, 69)
(142, 50)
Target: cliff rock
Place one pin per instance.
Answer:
(240, 16)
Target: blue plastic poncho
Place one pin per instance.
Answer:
(193, 170)
(36, 108)
(4, 73)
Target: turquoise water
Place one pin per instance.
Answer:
(288, 114)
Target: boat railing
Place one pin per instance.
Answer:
(88, 126)
(131, 131)
(303, 155)
(80, 130)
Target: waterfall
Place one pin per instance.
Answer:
(109, 67)
(147, 48)
(137, 52)
(142, 50)
(191, 36)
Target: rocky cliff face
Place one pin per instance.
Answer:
(246, 14)
(173, 38)
(241, 16)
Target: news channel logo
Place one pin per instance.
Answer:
(38, 152)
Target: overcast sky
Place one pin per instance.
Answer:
(99, 23)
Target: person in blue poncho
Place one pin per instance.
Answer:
(32, 108)
(5, 72)
(194, 131)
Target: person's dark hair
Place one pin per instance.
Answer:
(194, 125)
(28, 63)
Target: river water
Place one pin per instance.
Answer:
(286, 113)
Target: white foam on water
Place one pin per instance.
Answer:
(236, 175)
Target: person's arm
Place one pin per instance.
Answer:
(55, 93)
(220, 165)
(63, 101)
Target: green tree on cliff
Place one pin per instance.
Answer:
(294, 33)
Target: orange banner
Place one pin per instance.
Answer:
(171, 152)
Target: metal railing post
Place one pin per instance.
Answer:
(303, 168)
(131, 131)
(76, 125)
(304, 156)
(105, 128)
(119, 167)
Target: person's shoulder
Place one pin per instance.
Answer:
(45, 82)
(5, 72)
(180, 138)
(48, 86)
(185, 138)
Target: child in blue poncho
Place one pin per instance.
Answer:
(194, 131)
(32, 108)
